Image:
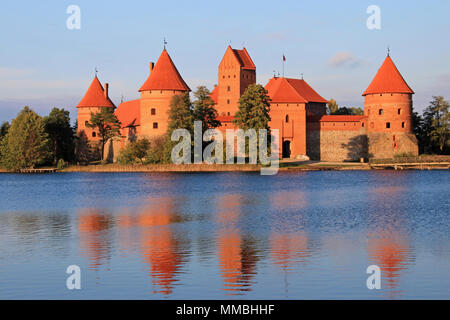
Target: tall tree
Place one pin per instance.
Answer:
(107, 125)
(254, 108)
(181, 116)
(253, 113)
(61, 134)
(332, 106)
(203, 109)
(26, 144)
(437, 122)
(4, 129)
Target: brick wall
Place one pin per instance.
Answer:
(328, 145)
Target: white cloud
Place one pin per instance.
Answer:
(344, 59)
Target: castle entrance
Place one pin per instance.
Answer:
(286, 152)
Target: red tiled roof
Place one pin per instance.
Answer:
(244, 59)
(286, 90)
(225, 118)
(129, 113)
(95, 96)
(215, 94)
(388, 80)
(165, 76)
(336, 118)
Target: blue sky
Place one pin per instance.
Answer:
(43, 64)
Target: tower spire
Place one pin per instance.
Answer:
(388, 51)
(164, 42)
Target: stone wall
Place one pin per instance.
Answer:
(384, 145)
(327, 145)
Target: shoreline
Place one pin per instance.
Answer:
(285, 165)
(228, 168)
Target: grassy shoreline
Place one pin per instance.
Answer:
(284, 166)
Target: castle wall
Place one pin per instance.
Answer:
(290, 120)
(336, 140)
(336, 145)
(384, 145)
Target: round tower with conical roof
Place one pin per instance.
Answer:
(388, 107)
(157, 92)
(93, 101)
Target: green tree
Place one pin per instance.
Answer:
(26, 144)
(254, 108)
(4, 129)
(61, 134)
(436, 123)
(106, 124)
(203, 109)
(136, 150)
(357, 111)
(253, 113)
(332, 106)
(181, 116)
(141, 148)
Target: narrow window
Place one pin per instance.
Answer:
(228, 101)
(153, 111)
(155, 125)
(228, 113)
(380, 112)
(388, 125)
(287, 118)
(403, 124)
(399, 111)
(86, 122)
(229, 88)
(362, 125)
(94, 134)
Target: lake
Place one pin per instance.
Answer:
(299, 235)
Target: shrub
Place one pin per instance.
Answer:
(61, 164)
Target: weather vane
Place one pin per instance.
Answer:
(302, 75)
(388, 50)
(96, 71)
(165, 42)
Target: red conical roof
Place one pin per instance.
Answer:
(165, 76)
(287, 90)
(388, 80)
(95, 96)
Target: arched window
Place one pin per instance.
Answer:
(155, 125)
(388, 125)
(153, 111)
(403, 124)
(380, 112)
(229, 88)
(94, 134)
(287, 118)
(399, 111)
(228, 101)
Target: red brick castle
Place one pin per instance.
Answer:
(297, 111)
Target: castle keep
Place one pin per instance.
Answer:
(297, 111)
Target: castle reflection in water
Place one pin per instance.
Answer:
(155, 231)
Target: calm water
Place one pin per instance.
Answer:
(225, 235)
